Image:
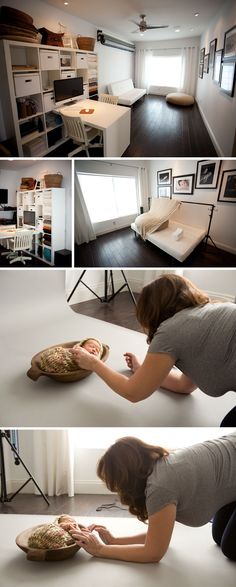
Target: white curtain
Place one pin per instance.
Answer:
(142, 56)
(54, 461)
(84, 231)
(143, 187)
(189, 70)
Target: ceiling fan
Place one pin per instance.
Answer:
(143, 26)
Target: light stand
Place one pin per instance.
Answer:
(212, 209)
(106, 298)
(4, 496)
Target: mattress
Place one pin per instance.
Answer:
(179, 249)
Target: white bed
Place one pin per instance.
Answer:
(179, 249)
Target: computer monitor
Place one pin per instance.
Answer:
(29, 218)
(67, 90)
(3, 196)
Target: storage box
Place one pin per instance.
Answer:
(68, 74)
(49, 60)
(81, 61)
(48, 101)
(26, 84)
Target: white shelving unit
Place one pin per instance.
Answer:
(28, 71)
(48, 219)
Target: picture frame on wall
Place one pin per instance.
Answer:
(217, 66)
(227, 77)
(164, 177)
(202, 55)
(183, 184)
(200, 70)
(212, 50)
(206, 63)
(227, 191)
(229, 51)
(164, 192)
(207, 174)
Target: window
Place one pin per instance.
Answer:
(164, 71)
(109, 197)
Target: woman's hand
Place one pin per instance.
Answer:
(103, 533)
(87, 541)
(84, 359)
(132, 361)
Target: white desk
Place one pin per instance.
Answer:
(35, 315)
(114, 121)
(192, 559)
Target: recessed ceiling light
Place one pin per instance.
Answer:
(66, 3)
(196, 14)
(177, 30)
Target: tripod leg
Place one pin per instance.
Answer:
(3, 474)
(26, 469)
(129, 288)
(76, 285)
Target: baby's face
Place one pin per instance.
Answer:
(92, 346)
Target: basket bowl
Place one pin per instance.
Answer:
(35, 371)
(43, 554)
(86, 43)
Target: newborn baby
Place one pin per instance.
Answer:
(60, 359)
(54, 535)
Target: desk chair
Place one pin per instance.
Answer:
(21, 241)
(79, 133)
(108, 98)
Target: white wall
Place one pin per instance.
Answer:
(223, 224)
(217, 108)
(9, 181)
(113, 64)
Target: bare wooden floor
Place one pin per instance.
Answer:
(122, 248)
(79, 505)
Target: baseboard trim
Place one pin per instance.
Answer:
(213, 138)
(85, 487)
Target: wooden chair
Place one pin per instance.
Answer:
(81, 134)
(22, 241)
(108, 98)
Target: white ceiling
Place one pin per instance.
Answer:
(17, 164)
(116, 16)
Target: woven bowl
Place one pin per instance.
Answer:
(35, 372)
(41, 554)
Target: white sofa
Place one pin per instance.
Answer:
(126, 92)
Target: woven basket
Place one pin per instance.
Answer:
(53, 180)
(86, 43)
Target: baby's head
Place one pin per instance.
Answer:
(93, 346)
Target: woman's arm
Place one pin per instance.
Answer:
(146, 379)
(108, 538)
(160, 528)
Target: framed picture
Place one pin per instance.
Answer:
(217, 66)
(230, 44)
(202, 55)
(227, 77)
(227, 191)
(164, 192)
(183, 184)
(207, 175)
(212, 53)
(200, 70)
(206, 63)
(164, 177)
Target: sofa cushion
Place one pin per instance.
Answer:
(128, 98)
(180, 99)
(120, 87)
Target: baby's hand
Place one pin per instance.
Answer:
(132, 361)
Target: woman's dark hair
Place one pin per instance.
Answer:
(163, 298)
(125, 467)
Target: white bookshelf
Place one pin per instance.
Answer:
(48, 219)
(28, 72)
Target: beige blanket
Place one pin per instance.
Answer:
(159, 213)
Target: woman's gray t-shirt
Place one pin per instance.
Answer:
(202, 341)
(199, 480)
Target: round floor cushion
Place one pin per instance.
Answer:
(180, 99)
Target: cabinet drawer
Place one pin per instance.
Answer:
(48, 101)
(81, 61)
(49, 60)
(27, 84)
(67, 74)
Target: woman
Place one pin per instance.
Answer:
(184, 330)
(187, 485)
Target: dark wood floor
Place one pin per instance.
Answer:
(122, 248)
(79, 505)
(33, 262)
(159, 129)
(119, 311)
